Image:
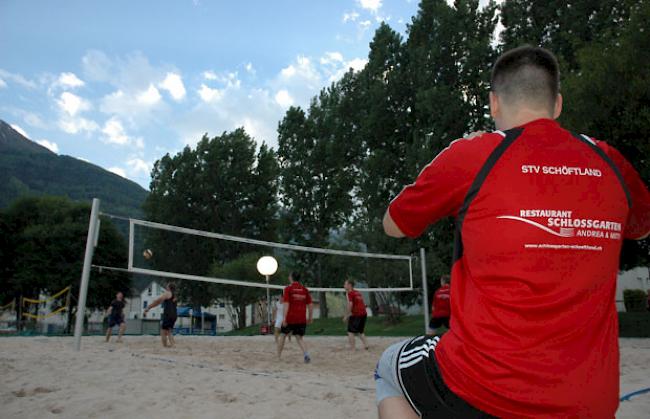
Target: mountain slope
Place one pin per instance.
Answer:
(27, 168)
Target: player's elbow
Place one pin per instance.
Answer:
(390, 228)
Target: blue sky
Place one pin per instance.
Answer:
(120, 83)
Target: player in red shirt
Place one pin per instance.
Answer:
(297, 301)
(440, 306)
(355, 315)
(541, 214)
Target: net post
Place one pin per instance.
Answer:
(268, 305)
(131, 241)
(425, 293)
(85, 273)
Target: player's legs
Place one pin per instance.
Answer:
(121, 332)
(280, 345)
(276, 334)
(163, 337)
(108, 333)
(351, 341)
(170, 338)
(391, 401)
(396, 408)
(362, 336)
(303, 346)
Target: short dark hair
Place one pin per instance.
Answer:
(350, 281)
(295, 276)
(171, 286)
(527, 74)
(445, 279)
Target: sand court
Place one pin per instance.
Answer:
(216, 377)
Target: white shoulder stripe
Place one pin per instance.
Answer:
(586, 137)
(503, 134)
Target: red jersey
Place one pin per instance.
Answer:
(298, 297)
(358, 306)
(540, 218)
(440, 304)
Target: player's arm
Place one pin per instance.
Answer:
(390, 228)
(275, 312)
(310, 309)
(638, 221)
(438, 191)
(109, 310)
(166, 296)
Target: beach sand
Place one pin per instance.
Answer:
(216, 377)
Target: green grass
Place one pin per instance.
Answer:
(375, 326)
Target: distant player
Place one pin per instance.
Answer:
(115, 315)
(278, 315)
(440, 307)
(355, 315)
(168, 301)
(297, 301)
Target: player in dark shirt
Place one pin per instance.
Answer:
(115, 315)
(168, 301)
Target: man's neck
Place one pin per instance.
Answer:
(522, 117)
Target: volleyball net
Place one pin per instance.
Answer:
(226, 264)
(176, 252)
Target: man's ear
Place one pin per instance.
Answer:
(558, 106)
(495, 108)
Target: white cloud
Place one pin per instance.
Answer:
(33, 120)
(2, 84)
(53, 147)
(97, 66)
(70, 80)
(149, 97)
(351, 17)
(17, 78)
(139, 167)
(114, 131)
(371, 5)
(208, 94)
(249, 68)
(118, 171)
(77, 125)
(365, 24)
(209, 75)
(357, 64)
(174, 85)
(288, 71)
(72, 104)
(19, 130)
(283, 98)
(331, 57)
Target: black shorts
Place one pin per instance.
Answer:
(115, 320)
(357, 324)
(168, 324)
(423, 386)
(436, 322)
(294, 329)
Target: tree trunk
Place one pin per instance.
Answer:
(242, 316)
(374, 306)
(324, 311)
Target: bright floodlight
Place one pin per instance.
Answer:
(267, 265)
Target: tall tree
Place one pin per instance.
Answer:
(317, 176)
(48, 237)
(563, 26)
(223, 185)
(609, 98)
